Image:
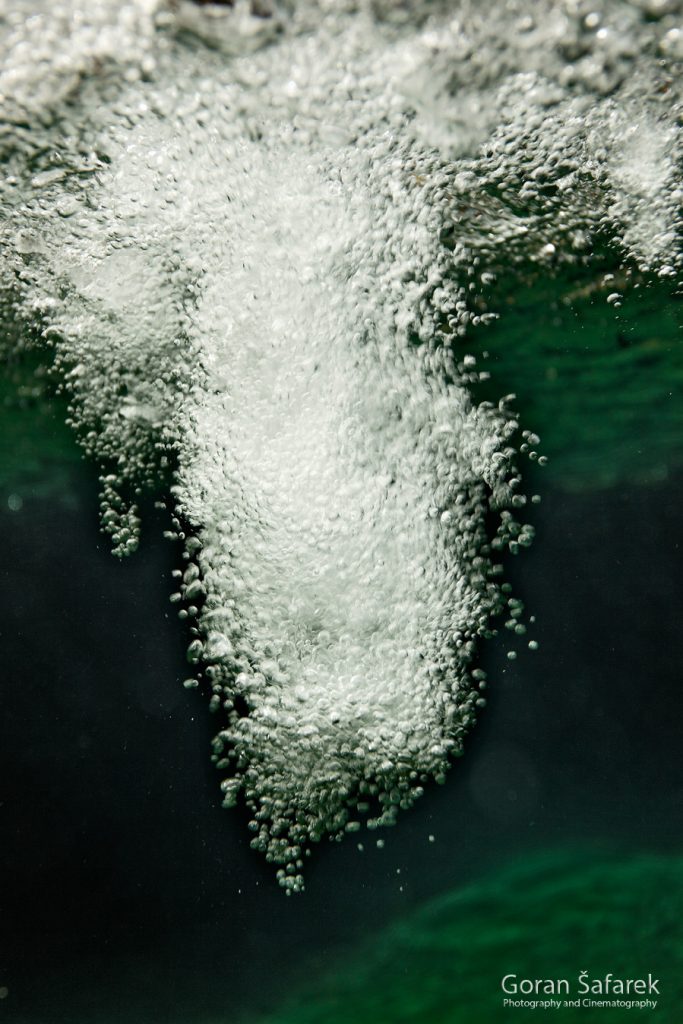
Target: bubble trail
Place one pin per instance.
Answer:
(256, 242)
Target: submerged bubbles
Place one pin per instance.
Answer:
(258, 265)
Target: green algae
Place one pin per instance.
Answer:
(551, 917)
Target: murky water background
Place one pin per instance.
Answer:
(546, 153)
(132, 896)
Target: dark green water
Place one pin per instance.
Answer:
(601, 385)
(538, 919)
(129, 895)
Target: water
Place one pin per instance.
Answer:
(267, 258)
(153, 907)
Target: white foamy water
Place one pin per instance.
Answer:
(256, 245)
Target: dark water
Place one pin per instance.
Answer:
(129, 895)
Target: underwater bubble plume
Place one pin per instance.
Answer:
(256, 242)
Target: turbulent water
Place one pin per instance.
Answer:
(256, 239)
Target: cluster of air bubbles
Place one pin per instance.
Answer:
(47, 50)
(119, 519)
(256, 239)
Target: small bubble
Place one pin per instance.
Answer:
(15, 503)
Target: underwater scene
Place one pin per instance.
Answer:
(341, 489)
